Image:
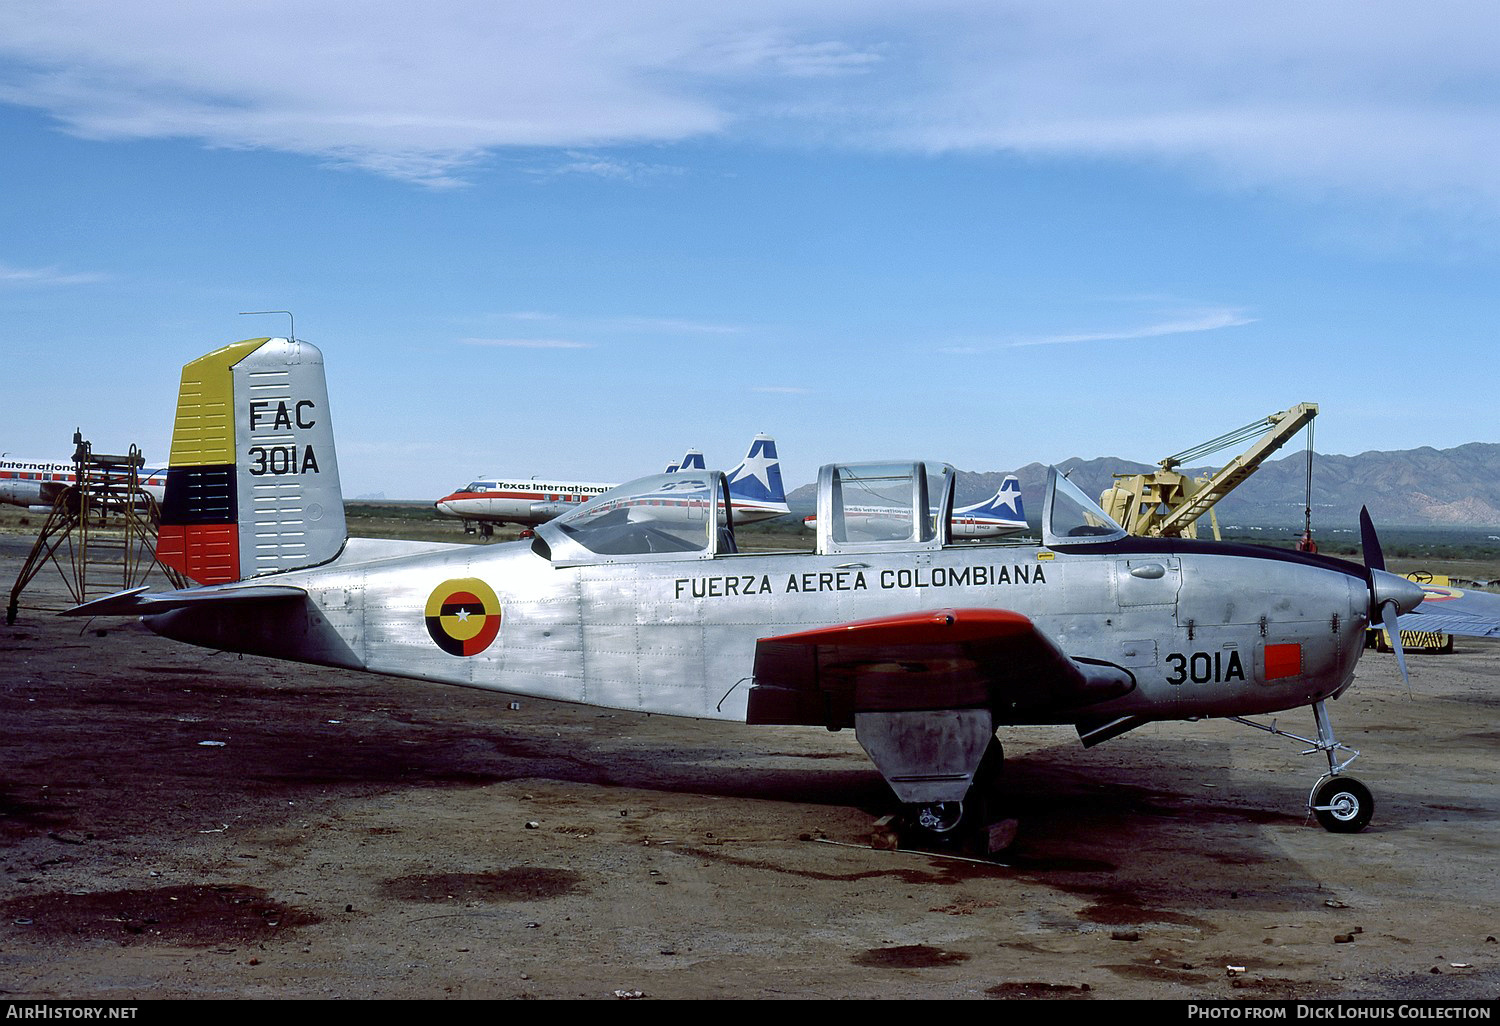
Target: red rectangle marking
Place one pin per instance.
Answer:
(208, 553)
(1283, 661)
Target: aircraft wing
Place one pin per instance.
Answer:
(1447, 610)
(139, 602)
(939, 659)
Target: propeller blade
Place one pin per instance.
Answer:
(1369, 541)
(1388, 616)
(1386, 600)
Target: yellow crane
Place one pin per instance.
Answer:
(1167, 504)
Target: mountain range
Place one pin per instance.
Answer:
(1458, 487)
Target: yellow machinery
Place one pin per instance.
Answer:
(1167, 504)
(1419, 641)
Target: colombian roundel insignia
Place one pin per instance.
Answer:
(463, 616)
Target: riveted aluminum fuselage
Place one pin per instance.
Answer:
(1205, 630)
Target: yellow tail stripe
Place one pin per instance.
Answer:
(204, 432)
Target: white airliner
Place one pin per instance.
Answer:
(999, 515)
(36, 484)
(755, 490)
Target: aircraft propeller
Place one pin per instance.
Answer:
(1390, 595)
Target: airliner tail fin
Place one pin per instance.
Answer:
(757, 480)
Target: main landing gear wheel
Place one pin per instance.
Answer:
(939, 821)
(954, 822)
(1343, 805)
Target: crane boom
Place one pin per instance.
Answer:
(1167, 504)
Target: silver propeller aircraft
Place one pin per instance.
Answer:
(639, 600)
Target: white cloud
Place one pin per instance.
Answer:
(1373, 98)
(567, 331)
(667, 325)
(1378, 98)
(45, 277)
(528, 343)
(413, 91)
(592, 166)
(1212, 320)
(624, 324)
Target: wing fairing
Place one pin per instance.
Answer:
(991, 659)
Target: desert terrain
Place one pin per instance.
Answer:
(181, 823)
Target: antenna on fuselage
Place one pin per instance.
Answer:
(292, 336)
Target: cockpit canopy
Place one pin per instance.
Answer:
(683, 515)
(870, 507)
(1069, 517)
(862, 507)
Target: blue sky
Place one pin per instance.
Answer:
(576, 241)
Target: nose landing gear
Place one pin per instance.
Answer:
(1341, 804)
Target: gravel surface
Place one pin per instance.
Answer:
(179, 823)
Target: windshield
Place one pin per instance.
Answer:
(1070, 517)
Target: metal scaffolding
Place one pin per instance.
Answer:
(101, 531)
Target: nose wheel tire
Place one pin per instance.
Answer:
(1343, 805)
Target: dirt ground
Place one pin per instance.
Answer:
(179, 823)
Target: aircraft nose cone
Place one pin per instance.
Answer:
(1387, 587)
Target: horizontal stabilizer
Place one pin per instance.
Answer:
(139, 602)
(942, 659)
(364, 550)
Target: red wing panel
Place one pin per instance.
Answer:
(941, 659)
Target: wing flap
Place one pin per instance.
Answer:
(942, 659)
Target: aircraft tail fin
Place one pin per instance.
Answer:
(691, 460)
(1006, 502)
(758, 477)
(253, 482)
